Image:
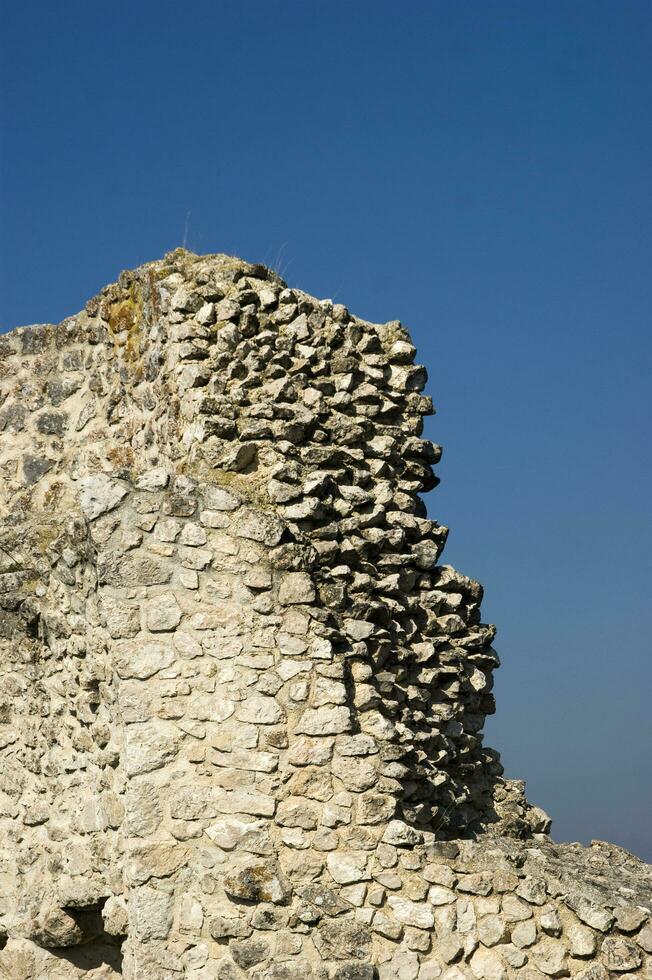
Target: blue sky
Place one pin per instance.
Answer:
(480, 170)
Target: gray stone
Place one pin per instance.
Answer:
(260, 526)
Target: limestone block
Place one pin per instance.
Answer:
(581, 941)
(620, 954)
(410, 913)
(296, 588)
(325, 721)
(150, 746)
(550, 956)
(347, 868)
(142, 660)
(99, 494)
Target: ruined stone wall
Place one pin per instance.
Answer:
(242, 703)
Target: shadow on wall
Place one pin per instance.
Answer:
(101, 949)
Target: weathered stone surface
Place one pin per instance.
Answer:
(347, 868)
(99, 494)
(163, 614)
(143, 660)
(150, 913)
(55, 928)
(260, 882)
(410, 913)
(325, 721)
(620, 954)
(241, 702)
(581, 941)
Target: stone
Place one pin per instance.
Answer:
(629, 918)
(35, 468)
(247, 801)
(99, 494)
(416, 914)
(154, 861)
(260, 882)
(154, 479)
(122, 620)
(514, 957)
(487, 965)
(478, 883)
(217, 498)
(595, 971)
(524, 933)
(347, 868)
(492, 930)
(449, 948)
(56, 928)
(581, 941)
(433, 971)
(228, 926)
(342, 939)
(249, 952)
(297, 813)
(143, 660)
(550, 957)
(325, 721)
(532, 890)
(193, 535)
(115, 916)
(296, 588)
(143, 810)
(149, 747)
(439, 895)
(229, 832)
(550, 922)
(150, 913)
(354, 971)
(620, 954)
(401, 835)
(592, 915)
(52, 423)
(261, 710)
(259, 526)
(515, 910)
(644, 938)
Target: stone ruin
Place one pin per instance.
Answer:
(242, 702)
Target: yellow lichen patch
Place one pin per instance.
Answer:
(390, 333)
(121, 457)
(124, 317)
(249, 486)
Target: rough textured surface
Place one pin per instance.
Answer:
(242, 703)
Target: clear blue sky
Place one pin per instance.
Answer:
(480, 170)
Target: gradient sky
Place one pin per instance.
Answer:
(480, 170)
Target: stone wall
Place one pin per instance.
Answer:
(242, 703)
